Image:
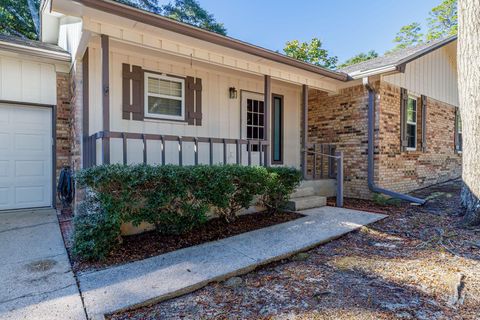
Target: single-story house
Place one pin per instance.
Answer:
(109, 83)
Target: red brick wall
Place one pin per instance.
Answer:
(63, 126)
(342, 120)
(404, 171)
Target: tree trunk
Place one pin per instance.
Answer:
(34, 13)
(469, 96)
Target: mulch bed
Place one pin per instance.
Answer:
(149, 244)
(418, 263)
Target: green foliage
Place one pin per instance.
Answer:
(174, 199)
(382, 200)
(96, 234)
(17, 18)
(281, 183)
(359, 58)
(408, 36)
(190, 11)
(311, 52)
(443, 20)
(186, 11)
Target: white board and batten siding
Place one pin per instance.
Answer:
(433, 75)
(221, 115)
(26, 132)
(27, 81)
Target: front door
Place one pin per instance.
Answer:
(253, 124)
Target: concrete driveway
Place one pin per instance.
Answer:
(36, 281)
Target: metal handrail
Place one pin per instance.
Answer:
(323, 154)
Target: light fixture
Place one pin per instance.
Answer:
(233, 92)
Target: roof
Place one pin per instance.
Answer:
(29, 46)
(155, 20)
(397, 59)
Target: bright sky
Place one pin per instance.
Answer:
(346, 27)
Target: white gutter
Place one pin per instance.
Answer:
(371, 72)
(39, 52)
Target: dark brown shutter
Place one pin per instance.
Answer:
(403, 118)
(193, 101)
(133, 82)
(424, 123)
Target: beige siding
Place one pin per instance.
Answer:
(221, 115)
(27, 81)
(434, 75)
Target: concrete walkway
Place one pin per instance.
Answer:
(183, 271)
(36, 281)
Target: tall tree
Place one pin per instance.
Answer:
(190, 11)
(311, 52)
(443, 20)
(359, 58)
(469, 95)
(408, 36)
(187, 11)
(16, 18)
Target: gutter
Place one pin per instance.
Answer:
(371, 167)
(42, 53)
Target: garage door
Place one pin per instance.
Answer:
(25, 157)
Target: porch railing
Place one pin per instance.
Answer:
(324, 162)
(91, 142)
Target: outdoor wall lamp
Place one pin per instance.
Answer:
(233, 92)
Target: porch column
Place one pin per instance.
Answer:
(105, 98)
(304, 130)
(267, 101)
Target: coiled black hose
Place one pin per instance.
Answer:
(66, 187)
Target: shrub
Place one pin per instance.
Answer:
(174, 199)
(244, 183)
(280, 184)
(95, 235)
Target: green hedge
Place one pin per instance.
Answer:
(175, 199)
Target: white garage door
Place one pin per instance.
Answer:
(25, 157)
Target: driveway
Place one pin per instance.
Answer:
(36, 281)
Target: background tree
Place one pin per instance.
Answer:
(190, 11)
(147, 5)
(443, 20)
(359, 58)
(311, 52)
(16, 18)
(408, 36)
(469, 95)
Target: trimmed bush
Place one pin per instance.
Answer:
(174, 199)
(281, 183)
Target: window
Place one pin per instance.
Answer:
(255, 121)
(277, 129)
(459, 142)
(164, 97)
(411, 117)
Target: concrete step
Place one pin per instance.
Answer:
(303, 192)
(304, 203)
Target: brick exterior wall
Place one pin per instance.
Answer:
(63, 123)
(342, 120)
(404, 171)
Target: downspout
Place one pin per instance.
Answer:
(371, 146)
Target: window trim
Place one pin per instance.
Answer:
(282, 127)
(459, 132)
(147, 94)
(414, 98)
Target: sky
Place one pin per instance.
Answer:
(345, 27)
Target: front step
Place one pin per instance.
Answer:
(302, 192)
(309, 202)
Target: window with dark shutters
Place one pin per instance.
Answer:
(169, 97)
(458, 132)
